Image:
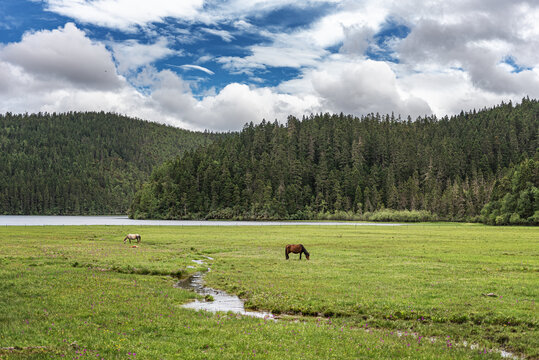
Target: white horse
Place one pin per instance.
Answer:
(133, 237)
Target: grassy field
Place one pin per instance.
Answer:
(413, 292)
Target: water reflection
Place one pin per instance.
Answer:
(221, 300)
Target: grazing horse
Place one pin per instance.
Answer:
(296, 249)
(133, 237)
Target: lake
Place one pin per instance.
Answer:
(34, 220)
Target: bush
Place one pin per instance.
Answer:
(534, 219)
(401, 215)
(516, 220)
(502, 219)
(380, 215)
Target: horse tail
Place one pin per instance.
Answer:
(286, 251)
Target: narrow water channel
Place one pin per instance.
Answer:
(222, 302)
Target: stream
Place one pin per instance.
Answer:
(221, 300)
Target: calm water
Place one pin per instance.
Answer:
(221, 300)
(31, 220)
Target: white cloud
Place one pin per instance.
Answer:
(356, 87)
(453, 59)
(32, 82)
(363, 87)
(196, 67)
(243, 25)
(131, 55)
(223, 34)
(230, 109)
(61, 70)
(125, 14)
(50, 56)
(330, 29)
(458, 92)
(238, 104)
(274, 56)
(357, 39)
(307, 46)
(475, 37)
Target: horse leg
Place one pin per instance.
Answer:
(301, 252)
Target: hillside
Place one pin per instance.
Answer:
(336, 165)
(82, 163)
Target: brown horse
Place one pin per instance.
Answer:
(296, 249)
(133, 237)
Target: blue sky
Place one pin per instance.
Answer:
(219, 64)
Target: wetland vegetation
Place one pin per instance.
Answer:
(417, 291)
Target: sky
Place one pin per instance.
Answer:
(219, 64)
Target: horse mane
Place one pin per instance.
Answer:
(305, 250)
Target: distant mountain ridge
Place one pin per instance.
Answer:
(82, 163)
(338, 166)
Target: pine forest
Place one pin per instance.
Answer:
(375, 167)
(81, 163)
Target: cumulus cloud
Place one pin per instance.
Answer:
(356, 87)
(238, 104)
(458, 91)
(475, 38)
(357, 39)
(32, 82)
(49, 56)
(364, 87)
(454, 58)
(230, 109)
(61, 70)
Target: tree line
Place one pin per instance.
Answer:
(82, 163)
(342, 166)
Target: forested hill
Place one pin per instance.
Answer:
(345, 165)
(82, 163)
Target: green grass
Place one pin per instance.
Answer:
(367, 292)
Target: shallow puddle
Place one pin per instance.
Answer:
(221, 300)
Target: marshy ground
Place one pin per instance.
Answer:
(416, 291)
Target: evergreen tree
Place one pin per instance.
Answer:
(82, 163)
(338, 163)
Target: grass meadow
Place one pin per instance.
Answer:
(415, 291)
